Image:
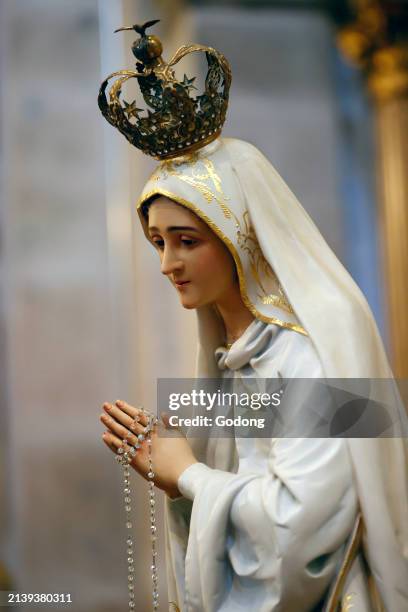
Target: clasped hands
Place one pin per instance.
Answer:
(171, 454)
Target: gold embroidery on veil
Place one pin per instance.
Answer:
(348, 602)
(248, 242)
(197, 180)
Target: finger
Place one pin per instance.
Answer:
(106, 437)
(121, 417)
(132, 411)
(165, 418)
(113, 442)
(121, 431)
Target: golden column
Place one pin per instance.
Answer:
(370, 42)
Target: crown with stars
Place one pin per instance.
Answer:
(177, 122)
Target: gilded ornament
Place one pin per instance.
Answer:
(176, 123)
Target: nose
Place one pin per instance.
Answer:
(170, 263)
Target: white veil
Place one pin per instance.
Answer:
(235, 189)
(344, 333)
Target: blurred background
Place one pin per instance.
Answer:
(319, 86)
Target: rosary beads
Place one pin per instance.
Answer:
(125, 455)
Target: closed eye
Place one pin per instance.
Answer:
(188, 241)
(158, 244)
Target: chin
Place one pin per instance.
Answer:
(190, 303)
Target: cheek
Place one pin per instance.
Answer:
(214, 264)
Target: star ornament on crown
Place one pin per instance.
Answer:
(176, 123)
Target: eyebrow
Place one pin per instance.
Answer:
(174, 228)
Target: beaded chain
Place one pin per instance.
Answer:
(125, 455)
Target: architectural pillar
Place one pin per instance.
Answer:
(376, 42)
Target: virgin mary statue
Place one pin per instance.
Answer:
(286, 524)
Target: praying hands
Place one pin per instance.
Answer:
(171, 454)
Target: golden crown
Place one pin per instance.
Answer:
(176, 123)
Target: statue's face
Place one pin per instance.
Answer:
(192, 257)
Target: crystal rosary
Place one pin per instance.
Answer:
(126, 452)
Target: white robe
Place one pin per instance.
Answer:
(262, 523)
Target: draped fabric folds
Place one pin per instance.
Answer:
(319, 325)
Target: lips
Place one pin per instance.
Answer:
(180, 283)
